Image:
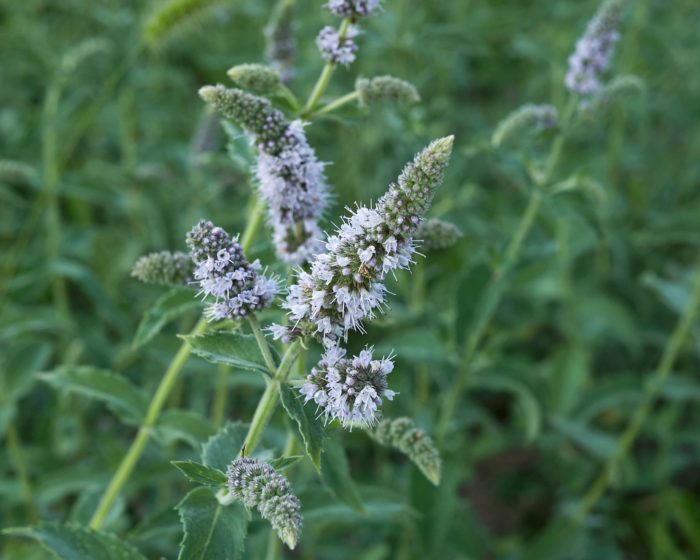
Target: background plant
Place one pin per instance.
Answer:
(116, 161)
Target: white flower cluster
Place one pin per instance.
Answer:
(349, 390)
(344, 285)
(222, 271)
(337, 49)
(291, 179)
(353, 8)
(594, 50)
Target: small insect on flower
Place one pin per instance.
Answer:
(336, 49)
(164, 268)
(353, 8)
(386, 89)
(403, 434)
(349, 389)
(525, 119)
(435, 234)
(223, 272)
(257, 78)
(594, 49)
(257, 484)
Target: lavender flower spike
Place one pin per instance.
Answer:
(594, 50)
(345, 286)
(353, 8)
(291, 180)
(349, 390)
(257, 484)
(223, 272)
(335, 49)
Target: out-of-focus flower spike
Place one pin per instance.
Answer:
(336, 49)
(279, 36)
(523, 120)
(164, 268)
(386, 89)
(353, 8)
(436, 234)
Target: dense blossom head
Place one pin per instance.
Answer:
(344, 285)
(349, 389)
(436, 234)
(403, 434)
(337, 49)
(222, 271)
(257, 484)
(280, 45)
(594, 50)
(165, 268)
(525, 119)
(257, 78)
(353, 8)
(291, 180)
(386, 89)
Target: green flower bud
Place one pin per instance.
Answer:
(385, 89)
(437, 234)
(525, 119)
(164, 268)
(257, 78)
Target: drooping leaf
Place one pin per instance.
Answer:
(183, 425)
(201, 474)
(211, 531)
(74, 542)
(283, 463)
(171, 305)
(231, 348)
(310, 427)
(224, 446)
(335, 473)
(126, 400)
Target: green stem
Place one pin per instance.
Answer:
(262, 343)
(652, 389)
(138, 445)
(326, 75)
(16, 455)
(337, 103)
(268, 401)
(254, 220)
(218, 408)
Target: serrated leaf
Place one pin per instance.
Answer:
(223, 447)
(183, 425)
(309, 426)
(122, 397)
(201, 474)
(335, 473)
(282, 463)
(211, 531)
(171, 305)
(75, 542)
(231, 348)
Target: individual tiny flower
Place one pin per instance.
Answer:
(279, 40)
(164, 268)
(353, 8)
(222, 271)
(386, 88)
(257, 78)
(435, 234)
(290, 178)
(345, 283)
(403, 434)
(594, 50)
(257, 484)
(349, 389)
(529, 117)
(335, 49)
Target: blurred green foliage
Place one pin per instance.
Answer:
(119, 157)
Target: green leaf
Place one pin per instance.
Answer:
(183, 425)
(171, 305)
(211, 531)
(231, 348)
(223, 447)
(201, 474)
(335, 473)
(123, 398)
(283, 463)
(74, 542)
(309, 426)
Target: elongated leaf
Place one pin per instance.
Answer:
(74, 542)
(171, 305)
(335, 473)
(224, 446)
(184, 425)
(231, 348)
(126, 400)
(211, 531)
(309, 426)
(283, 463)
(201, 474)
